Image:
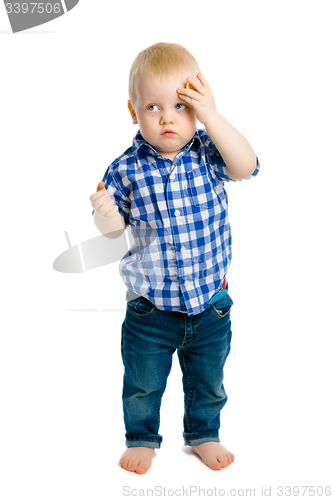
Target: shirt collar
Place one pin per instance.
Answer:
(139, 141)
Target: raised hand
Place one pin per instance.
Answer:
(201, 99)
(102, 203)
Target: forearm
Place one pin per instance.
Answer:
(235, 149)
(110, 228)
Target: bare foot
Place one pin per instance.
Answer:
(137, 459)
(214, 454)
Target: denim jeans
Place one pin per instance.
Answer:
(149, 339)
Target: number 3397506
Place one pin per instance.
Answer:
(40, 8)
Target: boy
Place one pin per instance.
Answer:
(169, 187)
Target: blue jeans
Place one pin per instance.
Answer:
(149, 339)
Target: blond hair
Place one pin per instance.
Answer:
(160, 59)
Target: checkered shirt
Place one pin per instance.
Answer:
(178, 214)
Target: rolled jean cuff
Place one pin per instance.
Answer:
(194, 438)
(146, 440)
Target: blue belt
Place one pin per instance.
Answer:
(219, 295)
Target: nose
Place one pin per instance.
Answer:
(166, 118)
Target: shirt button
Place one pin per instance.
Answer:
(177, 212)
(187, 283)
(172, 177)
(183, 249)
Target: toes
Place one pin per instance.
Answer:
(124, 462)
(222, 459)
(215, 465)
(142, 469)
(128, 463)
(138, 467)
(226, 459)
(133, 465)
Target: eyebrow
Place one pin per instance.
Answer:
(154, 101)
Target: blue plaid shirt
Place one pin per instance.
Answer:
(178, 213)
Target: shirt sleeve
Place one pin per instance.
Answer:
(113, 187)
(217, 164)
(256, 171)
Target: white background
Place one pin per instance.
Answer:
(64, 118)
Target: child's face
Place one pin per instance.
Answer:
(158, 109)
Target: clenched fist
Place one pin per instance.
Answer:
(102, 203)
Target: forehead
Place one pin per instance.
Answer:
(150, 86)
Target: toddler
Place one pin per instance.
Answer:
(169, 187)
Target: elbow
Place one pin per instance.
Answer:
(243, 172)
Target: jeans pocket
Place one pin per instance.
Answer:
(141, 307)
(221, 308)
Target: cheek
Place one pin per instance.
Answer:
(189, 115)
(150, 119)
(190, 120)
(148, 125)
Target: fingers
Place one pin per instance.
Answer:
(103, 204)
(197, 84)
(202, 80)
(189, 95)
(108, 210)
(100, 192)
(193, 90)
(102, 195)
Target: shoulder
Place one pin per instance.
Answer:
(206, 144)
(124, 159)
(129, 158)
(205, 141)
(121, 166)
(203, 136)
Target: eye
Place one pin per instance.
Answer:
(178, 106)
(151, 107)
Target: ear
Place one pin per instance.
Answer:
(132, 112)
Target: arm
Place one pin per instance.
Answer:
(234, 148)
(110, 228)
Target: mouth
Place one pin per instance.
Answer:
(168, 133)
